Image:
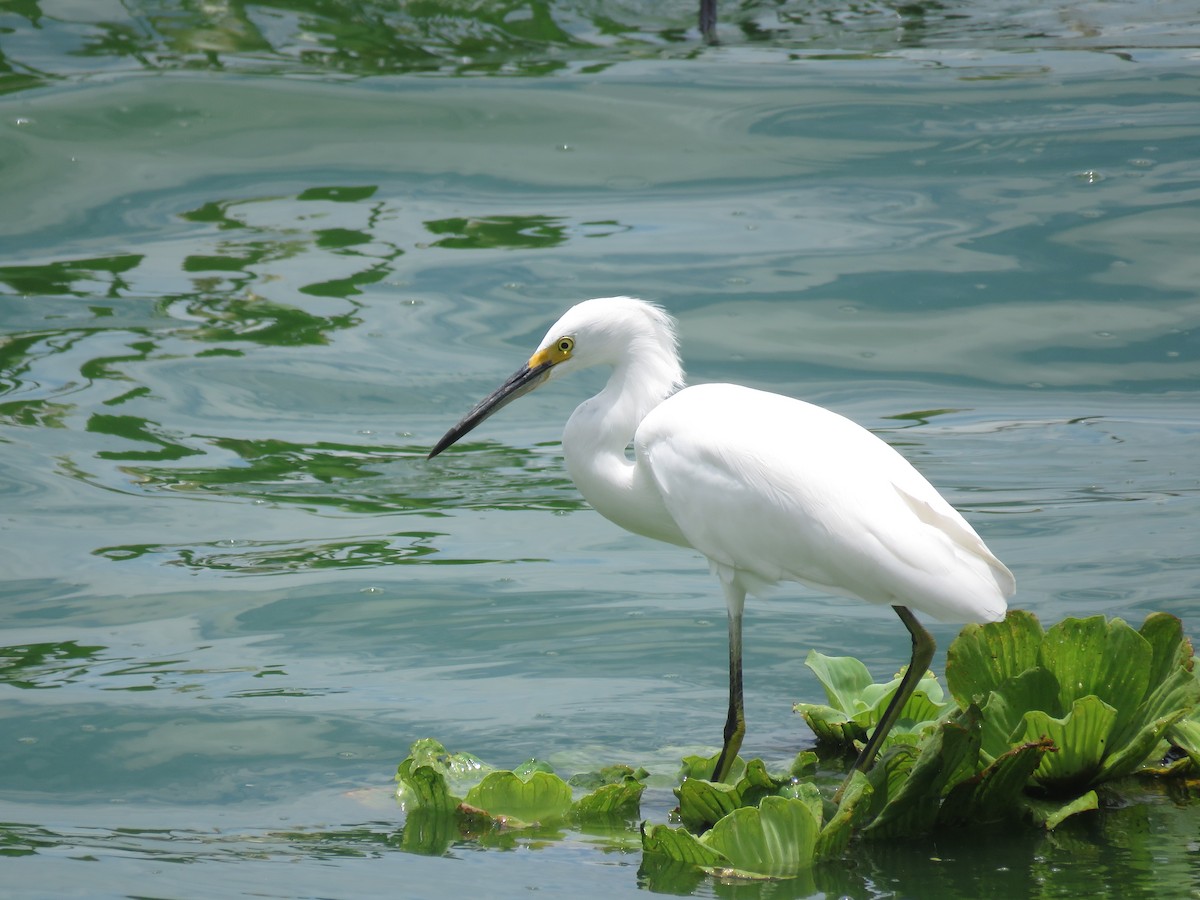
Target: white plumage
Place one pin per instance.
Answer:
(767, 487)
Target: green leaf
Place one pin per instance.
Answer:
(702, 767)
(856, 704)
(704, 803)
(1004, 712)
(914, 807)
(776, 839)
(804, 765)
(1130, 755)
(756, 782)
(984, 657)
(1080, 738)
(995, 794)
(426, 787)
(544, 796)
(680, 845)
(458, 770)
(851, 813)
(619, 800)
(1170, 650)
(844, 678)
(1049, 814)
(889, 775)
(831, 726)
(1100, 658)
(617, 774)
(1185, 735)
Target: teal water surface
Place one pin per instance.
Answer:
(255, 258)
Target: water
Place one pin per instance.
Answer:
(255, 259)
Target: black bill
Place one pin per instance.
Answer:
(522, 382)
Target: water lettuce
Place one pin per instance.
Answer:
(1034, 721)
(856, 704)
(1104, 694)
(431, 779)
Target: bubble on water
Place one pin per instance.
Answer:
(1089, 176)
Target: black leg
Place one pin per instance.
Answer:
(708, 20)
(735, 721)
(923, 646)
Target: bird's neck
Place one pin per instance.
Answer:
(597, 438)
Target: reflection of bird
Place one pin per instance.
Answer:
(768, 488)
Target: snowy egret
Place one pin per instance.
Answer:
(767, 487)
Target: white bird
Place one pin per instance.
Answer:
(767, 487)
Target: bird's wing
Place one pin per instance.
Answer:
(774, 489)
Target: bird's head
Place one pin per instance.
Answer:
(605, 331)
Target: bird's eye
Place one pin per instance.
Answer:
(566, 345)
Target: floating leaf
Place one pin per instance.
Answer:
(1102, 692)
(1094, 657)
(681, 845)
(608, 775)
(1080, 741)
(702, 803)
(457, 772)
(983, 657)
(995, 794)
(850, 815)
(1132, 754)
(856, 703)
(914, 807)
(1185, 735)
(1003, 714)
(620, 800)
(1049, 814)
(844, 679)
(427, 787)
(542, 797)
(703, 766)
(776, 839)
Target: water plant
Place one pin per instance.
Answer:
(1036, 720)
(498, 801)
(1103, 693)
